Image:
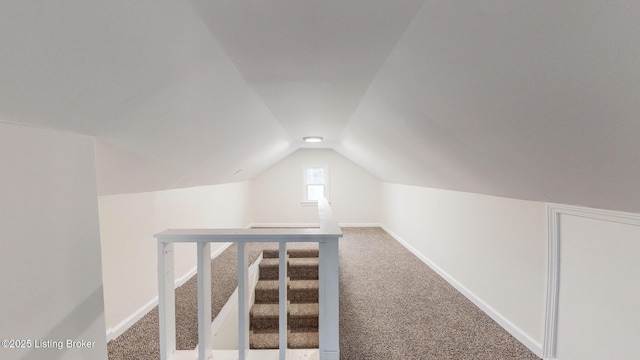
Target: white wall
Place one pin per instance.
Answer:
(599, 291)
(276, 194)
(129, 251)
(50, 267)
(494, 248)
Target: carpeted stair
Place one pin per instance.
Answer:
(302, 293)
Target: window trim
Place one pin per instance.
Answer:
(305, 201)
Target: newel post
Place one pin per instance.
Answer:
(166, 300)
(329, 300)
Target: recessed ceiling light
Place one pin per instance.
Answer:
(312, 139)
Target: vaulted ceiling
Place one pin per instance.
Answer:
(528, 99)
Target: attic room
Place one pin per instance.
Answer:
(495, 143)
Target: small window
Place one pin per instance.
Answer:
(315, 184)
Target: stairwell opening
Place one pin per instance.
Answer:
(302, 299)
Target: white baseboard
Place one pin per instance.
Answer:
(308, 225)
(125, 324)
(359, 225)
(515, 331)
(284, 225)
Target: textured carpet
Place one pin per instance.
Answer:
(392, 306)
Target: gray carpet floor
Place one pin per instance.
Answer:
(392, 306)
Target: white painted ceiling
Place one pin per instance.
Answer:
(529, 99)
(310, 61)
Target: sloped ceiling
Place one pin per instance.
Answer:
(525, 99)
(146, 78)
(310, 61)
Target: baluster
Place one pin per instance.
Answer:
(282, 286)
(243, 302)
(204, 300)
(166, 300)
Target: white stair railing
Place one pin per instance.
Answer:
(327, 236)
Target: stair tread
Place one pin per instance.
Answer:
(308, 339)
(265, 310)
(263, 340)
(267, 285)
(304, 310)
(293, 253)
(304, 284)
(293, 284)
(269, 262)
(292, 262)
(295, 339)
(294, 310)
(303, 261)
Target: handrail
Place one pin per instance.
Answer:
(247, 235)
(326, 235)
(327, 227)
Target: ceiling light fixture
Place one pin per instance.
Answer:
(312, 139)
